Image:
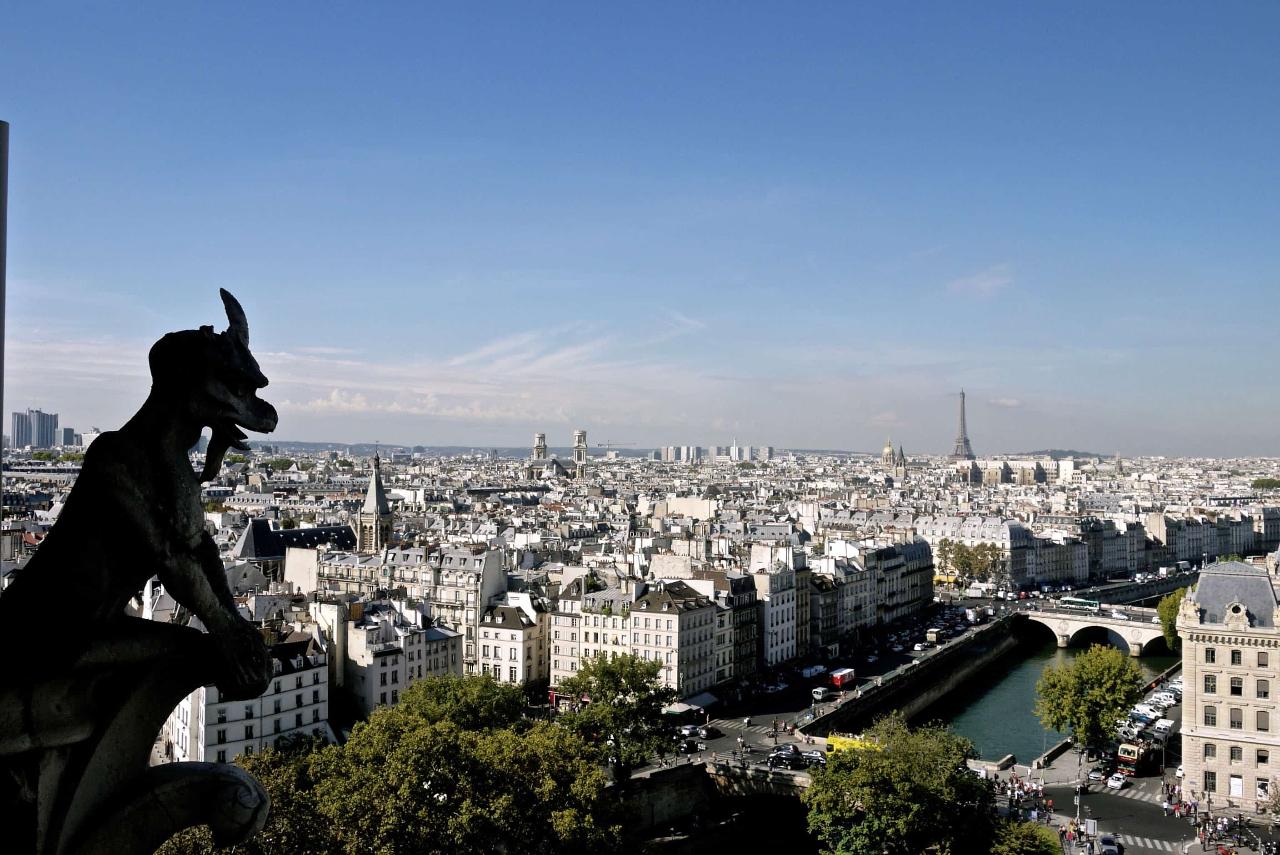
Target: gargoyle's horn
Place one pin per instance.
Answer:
(239, 324)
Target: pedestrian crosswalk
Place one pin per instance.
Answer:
(727, 725)
(1133, 843)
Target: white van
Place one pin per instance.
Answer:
(1147, 710)
(1163, 725)
(820, 694)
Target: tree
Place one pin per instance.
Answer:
(1090, 693)
(71, 457)
(401, 785)
(234, 458)
(1168, 613)
(965, 562)
(1265, 483)
(471, 703)
(288, 522)
(46, 456)
(621, 712)
(945, 553)
(279, 464)
(908, 791)
(1025, 838)
(989, 557)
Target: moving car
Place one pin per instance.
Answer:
(1116, 781)
(1108, 844)
(815, 758)
(1099, 773)
(709, 732)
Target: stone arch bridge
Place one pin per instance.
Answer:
(1134, 632)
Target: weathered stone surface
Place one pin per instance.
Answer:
(84, 687)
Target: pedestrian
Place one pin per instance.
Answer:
(1165, 805)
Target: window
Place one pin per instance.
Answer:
(297, 719)
(277, 689)
(1210, 751)
(315, 678)
(222, 715)
(1263, 720)
(382, 679)
(248, 750)
(1264, 757)
(1237, 786)
(1210, 684)
(1264, 689)
(1235, 657)
(315, 715)
(395, 696)
(248, 710)
(1210, 782)
(275, 725)
(315, 696)
(1211, 716)
(1237, 686)
(1236, 718)
(1210, 657)
(248, 731)
(1262, 659)
(221, 736)
(1237, 753)
(222, 755)
(382, 698)
(511, 674)
(276, 705)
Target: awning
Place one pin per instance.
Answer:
(703, 700)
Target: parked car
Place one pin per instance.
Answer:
(788, 761)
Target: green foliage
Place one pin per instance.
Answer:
(279, 464)
(71, 457)
(945, 555)
(234, 458)
(622, 716)
(1265, 483)
(46, 456)
(909, 793)
(453, 768)
(288, 522)
(1167, 610)
(1025, 838)
(345, 464)
(1087, 695)
(213, 506)
(471, 703)
(981, 562)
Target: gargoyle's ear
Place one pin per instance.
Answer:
(238, 326)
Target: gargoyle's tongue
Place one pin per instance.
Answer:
(225, 435)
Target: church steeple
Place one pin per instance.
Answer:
(373, 533)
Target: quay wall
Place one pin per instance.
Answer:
(913, 688)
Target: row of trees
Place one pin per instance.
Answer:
(983, 562)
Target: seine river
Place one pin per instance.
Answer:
(997, 710)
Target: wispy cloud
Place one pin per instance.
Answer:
(984, 284)
(1007, 403)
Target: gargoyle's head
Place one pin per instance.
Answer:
(214, 378)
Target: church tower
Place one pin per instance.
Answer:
(900, 468)
(887, 457)
(373, 532)
(539, 446)
(580, 453)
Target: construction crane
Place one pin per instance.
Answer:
(613, 444)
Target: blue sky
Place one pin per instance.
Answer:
(666, 223)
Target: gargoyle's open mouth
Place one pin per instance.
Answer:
(227, 434)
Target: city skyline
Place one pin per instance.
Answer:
(661, 226)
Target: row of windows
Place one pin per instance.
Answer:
(1262, 688)
(1235, 718)
(1236, 753)
(277, 725)
(1237, 657)
(251, 712)
(1236, 785)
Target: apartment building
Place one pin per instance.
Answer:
(1231, 687)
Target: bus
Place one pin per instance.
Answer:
(1091, 606)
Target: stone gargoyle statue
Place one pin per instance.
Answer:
(84, 686)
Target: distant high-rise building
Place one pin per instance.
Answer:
(68, 436)
(44, 429)
(20, 435)
(35, 428)
(963, 450)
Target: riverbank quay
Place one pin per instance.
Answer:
(914, 687)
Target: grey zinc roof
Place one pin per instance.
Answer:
(1230, 582)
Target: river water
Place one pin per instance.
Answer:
(997, 709)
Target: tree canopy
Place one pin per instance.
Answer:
(908, 791)
(1087, 695)
(622, 709)
(1167, 610)
(452, 768)
(1025, 838)
(1265, 483)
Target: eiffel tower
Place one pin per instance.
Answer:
(962, 451)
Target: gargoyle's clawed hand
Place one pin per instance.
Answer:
(248, 665)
